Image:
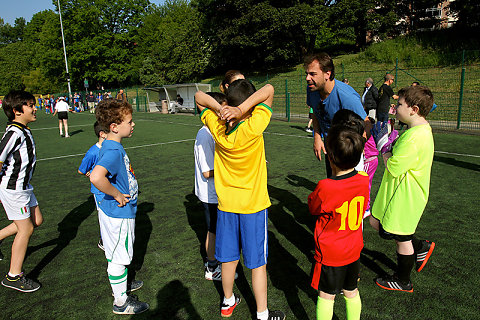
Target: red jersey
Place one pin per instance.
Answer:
(339, 203)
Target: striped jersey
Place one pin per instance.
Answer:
(17, 157)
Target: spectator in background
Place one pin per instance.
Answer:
(121, 96)
(345, 80)
(62, 108)
(313, 99)
(91, 102)
(99, 97)
(370, 98)
(385, 93)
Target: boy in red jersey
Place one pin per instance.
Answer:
(339, 202)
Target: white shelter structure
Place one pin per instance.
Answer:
(164, 98)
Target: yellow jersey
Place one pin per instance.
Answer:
(240, 165)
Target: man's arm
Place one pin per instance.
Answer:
(203, 101)
(264, 95)
(318, 145)
(98, 177)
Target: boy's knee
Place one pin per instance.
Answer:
(374, 223)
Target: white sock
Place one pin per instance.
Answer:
(11, 275)
(262, 315)
(117, 275)
(230, 301)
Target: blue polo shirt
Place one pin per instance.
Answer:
(342, 96)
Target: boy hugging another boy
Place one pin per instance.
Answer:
(113, 175)
(17, 159)
(403, 193)
(339, 203)
(241, 186)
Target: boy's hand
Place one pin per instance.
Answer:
(122, 199)
(231, 113)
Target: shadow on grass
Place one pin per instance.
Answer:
(457, 163)
(75, 132)
(287, 276)
(196, 220)
(297, 181)
(143, 230)
(173, 302)
(369, 257)
(290, 225)
(67, 229)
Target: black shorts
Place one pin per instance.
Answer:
(391, 236)
(211, 216)
(310, 115)
(335, 279)
(63, 115)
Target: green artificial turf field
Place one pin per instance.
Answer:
(63, 253)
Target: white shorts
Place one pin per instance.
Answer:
(118, 236)
(17, 203)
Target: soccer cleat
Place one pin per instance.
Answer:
(423, 254)
(133, 286)
(393, 283)
(20, 283)
(100, 244)
(1, 255)
(227, 310)
(215, 273)
(275, 315)
(131, 306)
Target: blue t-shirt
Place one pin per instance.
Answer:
(342, 96)
(113, 157)
(88, 163)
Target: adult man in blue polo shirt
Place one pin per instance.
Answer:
(335, 95)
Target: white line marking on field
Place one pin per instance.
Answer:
(458, 154)
(134, 147)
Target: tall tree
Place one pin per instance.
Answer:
(173, 47)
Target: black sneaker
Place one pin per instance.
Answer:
(20, 283)
(100, 244)
(133, 286)
(275, 315)
(423, 254)
(131, 306)
(393, 283)
(1, 255)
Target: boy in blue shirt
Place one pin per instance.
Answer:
(113, 175)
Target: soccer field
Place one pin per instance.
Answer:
(170, 231)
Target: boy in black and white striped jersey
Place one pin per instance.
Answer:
(17, 159)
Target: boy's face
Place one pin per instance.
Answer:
(28, 115)
(404, 112)
(125, 128)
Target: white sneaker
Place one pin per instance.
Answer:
(67, 136)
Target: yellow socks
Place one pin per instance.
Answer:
(324, 309)
(354, 307)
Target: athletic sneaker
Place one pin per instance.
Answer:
(424, 254)
(67, 136)
(1, 255)
(133, 286)
(215, 273)
(100, 244)
(20, 283)
(307, 129)
(227, 310)
(275, 315)
(393, 283)
(131, 306)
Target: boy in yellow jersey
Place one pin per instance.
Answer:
(241, 185)
(404, 190)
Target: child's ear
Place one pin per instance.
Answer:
(415, 109)
(113, 127)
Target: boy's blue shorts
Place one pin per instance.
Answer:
(247, 232)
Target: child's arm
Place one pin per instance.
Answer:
(203, 101)
(264, 95)
(98, 177)
(208, 174)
